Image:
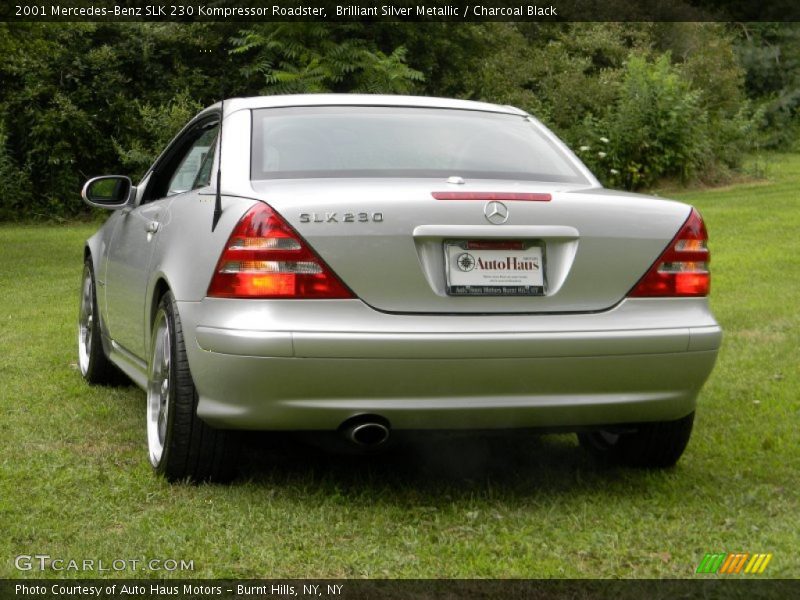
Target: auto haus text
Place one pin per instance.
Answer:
(124, 589)
(421, 10)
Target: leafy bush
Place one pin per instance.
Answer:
(656, 128)
(637, 102)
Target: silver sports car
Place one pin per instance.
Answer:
(371, 264)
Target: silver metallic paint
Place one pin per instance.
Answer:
(604, 246)
(582, 355)
(336, 359)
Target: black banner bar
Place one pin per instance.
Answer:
(399, 10)
(342, 589)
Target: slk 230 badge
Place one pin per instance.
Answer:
(347, 217)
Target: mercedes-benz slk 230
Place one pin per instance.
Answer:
(374, 264)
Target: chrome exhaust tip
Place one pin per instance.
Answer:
(367, 433)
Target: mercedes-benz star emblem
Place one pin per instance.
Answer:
(496, 212)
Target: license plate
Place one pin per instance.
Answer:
(494, 268)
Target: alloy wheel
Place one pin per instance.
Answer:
(158, 389)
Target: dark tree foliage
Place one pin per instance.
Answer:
(302, 58)
(770, 55)
(73, 94)
(672, 100)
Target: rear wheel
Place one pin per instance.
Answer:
(180, 444)
(92, 361)
(651, 445)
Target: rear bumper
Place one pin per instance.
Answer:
(313, 364)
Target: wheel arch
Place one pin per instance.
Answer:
(93, 248)
(160, 288)
(91, 253)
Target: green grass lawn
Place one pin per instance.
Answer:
(75, 483)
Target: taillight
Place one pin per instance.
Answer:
(266, 258)
(506, 196)
(682, 269)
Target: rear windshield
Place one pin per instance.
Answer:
(370, 141)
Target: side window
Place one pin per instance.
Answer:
(204, 174)
(194, 169)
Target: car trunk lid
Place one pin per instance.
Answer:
(393, 243)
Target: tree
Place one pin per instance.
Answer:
(297, 58)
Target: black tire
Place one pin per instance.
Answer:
(93, 363)
(651, 445)
(190, 449)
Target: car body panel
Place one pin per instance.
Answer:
(566, 392)
(128, 267)
(650, 356)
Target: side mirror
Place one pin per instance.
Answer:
(111, 192)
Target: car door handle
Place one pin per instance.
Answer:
(152, 226)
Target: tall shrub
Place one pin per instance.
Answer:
(656, 128)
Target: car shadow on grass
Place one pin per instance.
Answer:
(509, 462)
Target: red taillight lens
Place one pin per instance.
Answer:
(266, 258)
(682, 269)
